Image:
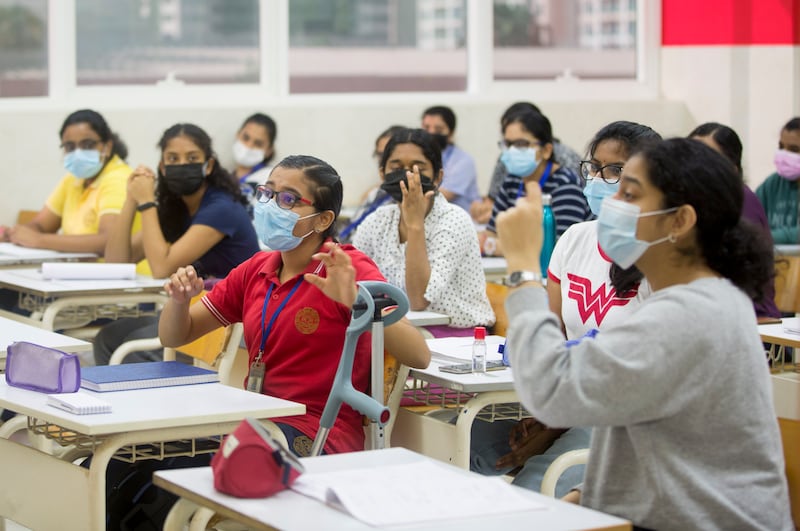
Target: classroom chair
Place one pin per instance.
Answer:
(497, 298)
(559, 466)
(787, 283)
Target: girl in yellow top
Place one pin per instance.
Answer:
(87, 202)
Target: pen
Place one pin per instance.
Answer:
(321, 264)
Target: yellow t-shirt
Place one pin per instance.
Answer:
(80, 208)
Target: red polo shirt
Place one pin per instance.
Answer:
(305, 344)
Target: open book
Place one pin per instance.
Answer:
(459, 349)
(421, 491)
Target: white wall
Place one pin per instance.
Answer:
(340, 130)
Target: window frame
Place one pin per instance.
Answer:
(273, 84)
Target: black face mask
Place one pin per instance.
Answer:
(391, 184)
(441, 140)
(184, 179)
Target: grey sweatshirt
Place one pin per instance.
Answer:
(680, 397)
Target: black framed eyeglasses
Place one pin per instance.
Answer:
(85, 144)
(610, 173)
(519, 144)
(286, 200)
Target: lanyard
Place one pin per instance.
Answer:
(251, 172)
(266, 330)
(354, 225)
(546, 175)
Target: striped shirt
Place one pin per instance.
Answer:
(568, 202)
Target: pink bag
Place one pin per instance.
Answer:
(37, 368)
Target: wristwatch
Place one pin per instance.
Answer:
(518, 277)
(145, 206)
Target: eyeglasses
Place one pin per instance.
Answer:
(610, 173)
(87, 143)
(285, 200)
(519, 144)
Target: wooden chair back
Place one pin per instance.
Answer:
(787, 283)
(497, 298)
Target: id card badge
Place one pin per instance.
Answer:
(255, 378)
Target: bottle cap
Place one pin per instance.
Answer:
(547, 199)
(480, 332)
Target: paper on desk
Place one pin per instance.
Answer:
(88, 271)
(791, 325)
(421, 491)
(459, 349)
(10, 249)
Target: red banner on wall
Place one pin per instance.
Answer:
(730, 22)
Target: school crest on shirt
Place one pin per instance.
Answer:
(306, 320)
(595, 303)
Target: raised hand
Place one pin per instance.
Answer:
(415, 204)
(339, 284)
(183, 285)
(519, 230)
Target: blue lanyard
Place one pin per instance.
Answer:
(252, 171)
(546, 175)
(266, 330)
(372, 208)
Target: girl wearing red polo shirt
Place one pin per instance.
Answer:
(293, 334)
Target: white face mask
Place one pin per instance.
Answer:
(616, 231)
(245, 156)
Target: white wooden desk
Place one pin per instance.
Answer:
(787, 250)
(426, 318)
(11, 331)
(41, 491)
(494, 268)
(779, 339)
(489, 397)
(15, 255)
(290, 511)
(87, 300)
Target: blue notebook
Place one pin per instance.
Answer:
(144, 375)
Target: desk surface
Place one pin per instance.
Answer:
(11, 254)
(11, 331)
(502, 380)
(494, 264)
(425, 318)
(774, 333)
(289, 510)
(31, 281)
(787, 250)
(146, 409)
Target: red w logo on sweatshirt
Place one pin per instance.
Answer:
(596, 302)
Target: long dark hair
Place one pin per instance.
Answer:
(172, 212)
(327, 190)
(689, 172)
(99, 125)
(418, 137)
(632, 137)
(725, 137)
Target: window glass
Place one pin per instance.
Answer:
(23, 48)
(144, 41)
(546, 39)
(377, 45)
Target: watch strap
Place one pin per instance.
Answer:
(145, 206)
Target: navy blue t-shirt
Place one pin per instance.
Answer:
(220, 211)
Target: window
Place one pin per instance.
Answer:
(610, 6)
(342, 45)
(126, 42)
(545, 39)
(23, 48)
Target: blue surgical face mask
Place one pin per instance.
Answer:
(520, 162)
(275, 226)
(596, 190)
(616, 231)
(83, 163)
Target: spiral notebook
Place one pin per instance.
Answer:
(144, 375)
(79, 403)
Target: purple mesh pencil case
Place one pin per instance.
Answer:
(42, 369)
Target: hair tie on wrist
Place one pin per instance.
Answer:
(145, 206)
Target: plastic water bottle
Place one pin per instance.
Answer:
(479, 350)
(549, 233)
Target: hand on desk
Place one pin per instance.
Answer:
(24, 236)
(528, 438)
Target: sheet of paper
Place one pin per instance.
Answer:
(459, 349)
(88, 271)
(11, 249)
(414, 492)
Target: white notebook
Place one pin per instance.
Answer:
(88, 271)
(79, 403)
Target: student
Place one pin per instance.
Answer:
(779, 192)
(481, 210)
(685, 434)
(294, 302)
(375, 196)
(460, 184)
(80, 213)
(725, 141)
(422, 243)
(190, 214)
(527, 152)
(252, 152)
